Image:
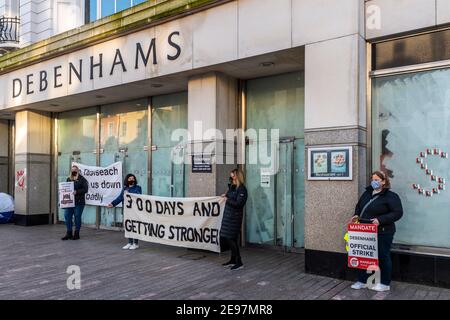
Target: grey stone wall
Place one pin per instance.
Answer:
(330, 204)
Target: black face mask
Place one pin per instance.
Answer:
(131, 183)
(74, 173)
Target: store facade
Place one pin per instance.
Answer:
(105, 94)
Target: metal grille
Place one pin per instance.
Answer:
(9, 30)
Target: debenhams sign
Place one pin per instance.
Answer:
(131, 58)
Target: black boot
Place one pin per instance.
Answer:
(239, 265)
(67, 236)
(229, 263)
(76, 235)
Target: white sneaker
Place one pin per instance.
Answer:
(381, 287)
(134, 247)
(127, 246)
(358, 285)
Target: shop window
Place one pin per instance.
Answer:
(110, 129)
(124, 129)
(76, 143)
(125, 142)
(410, 116)
(98, 9)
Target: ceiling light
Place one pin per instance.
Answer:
(267, 64)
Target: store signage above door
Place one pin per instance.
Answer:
(139, 56)
(330, 163)
(41, 80)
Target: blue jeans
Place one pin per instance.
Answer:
(384, 260)
(69, 213)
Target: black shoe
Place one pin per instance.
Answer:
(67, 236)
(76, 235)
(237, 266)
(229, 263)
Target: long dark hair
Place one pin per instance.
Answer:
(125, 181)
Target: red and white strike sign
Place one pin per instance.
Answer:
(362, 246)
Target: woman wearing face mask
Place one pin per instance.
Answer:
(81, 188)
(380, 206)
(131, 186)
(235, 198)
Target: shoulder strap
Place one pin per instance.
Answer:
(368, 204)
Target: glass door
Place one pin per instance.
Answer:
(275, 207)
(123, 137)
(169, 112)
(284, 194)
(76, 143)
(275, 212)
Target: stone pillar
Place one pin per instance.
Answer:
(4, 153)
(32, 168)
(212, 104)
(335, 115)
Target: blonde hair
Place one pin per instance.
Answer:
(239, 176)
(72, 178)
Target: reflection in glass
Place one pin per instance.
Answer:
(125, 141)
(411, 113)
(276, 103)
(168, 114)
(92, 10)
(76, 143)
(107, 8)
(122, 5)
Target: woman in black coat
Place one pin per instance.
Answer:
(236, 197)
(380, 206)
(81, 187)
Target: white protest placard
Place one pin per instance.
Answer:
(105, 183)
(363, 245)
(66, 196)
(183, 222)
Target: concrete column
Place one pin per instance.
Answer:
(335, 115)
(4, 152)
(212, 104)
(32, 168)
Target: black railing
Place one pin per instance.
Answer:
(9, 30)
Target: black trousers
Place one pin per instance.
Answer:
(384, 258)
(234, 247)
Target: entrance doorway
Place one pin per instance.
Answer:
(169, 113)
(275, 207)
(124, 138)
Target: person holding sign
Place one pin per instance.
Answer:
(235, 198)
(380, 206)
(80, 189)
(129, 185)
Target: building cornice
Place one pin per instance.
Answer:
(142, 16)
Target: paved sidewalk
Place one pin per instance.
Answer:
(33, 264)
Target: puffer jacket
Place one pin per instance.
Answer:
(234, 211)
(387, 208)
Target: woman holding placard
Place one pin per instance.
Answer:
(380, 206)
(80, 186)
(129, 185)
